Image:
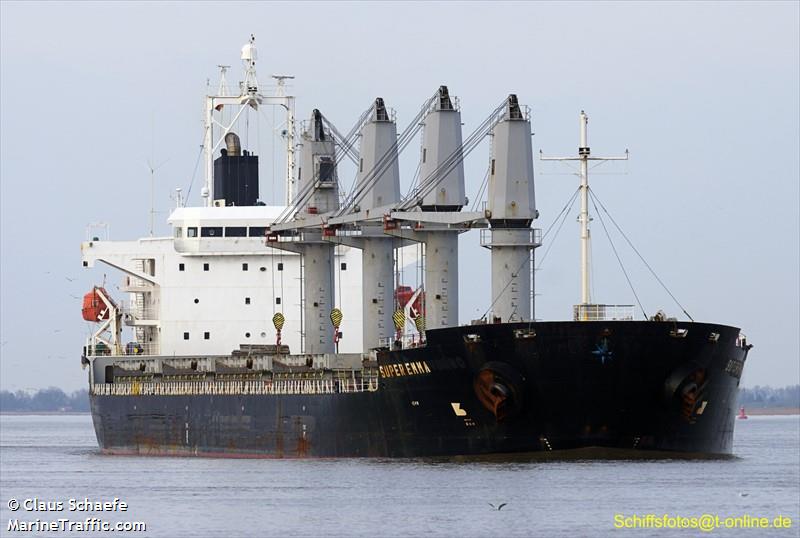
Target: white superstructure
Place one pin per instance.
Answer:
(216, 285)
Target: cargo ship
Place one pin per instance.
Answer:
(289, 332)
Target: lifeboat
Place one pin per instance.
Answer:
(403, 295)
(94, 308)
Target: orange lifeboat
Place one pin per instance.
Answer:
(94, 308)
(403, 295)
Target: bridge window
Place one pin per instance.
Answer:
(235, 231)
(191, 231)
(178, 232)
(257, 231)
(211, 231)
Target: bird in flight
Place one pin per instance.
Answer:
(498, 507)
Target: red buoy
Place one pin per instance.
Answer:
(94, 308)
(741, 413)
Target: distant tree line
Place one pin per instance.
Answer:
(54, 399)
(49, 399)
(769, 397)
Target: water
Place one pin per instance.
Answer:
(55, 458)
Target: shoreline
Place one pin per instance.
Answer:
(755, 411)
(771, 411)
(66, 413)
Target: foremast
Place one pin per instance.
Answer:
(585, 311)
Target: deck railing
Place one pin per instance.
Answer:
(603, 312)
(269, 386)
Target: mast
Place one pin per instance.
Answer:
(583, 153)
(249, 95)
(584, 156)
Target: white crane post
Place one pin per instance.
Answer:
(511, 210)
(442, 157)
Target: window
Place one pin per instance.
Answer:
(178, 232)
(424, 154)
(280, 266)
(235, 231)
(247, 335)
(344, 266)
(247, 300)
(299, 174)
(181, 267)
(185, 336)
(326, 168)
(205, 267)
(257, 231)
(244, 267)
(196, 300)
(191, 231)
(492, 166)
(211, 231)
(206, 336)
(277, 300)
(361, 166)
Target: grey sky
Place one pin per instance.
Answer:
(705, 96)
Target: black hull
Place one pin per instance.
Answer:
(473, 390)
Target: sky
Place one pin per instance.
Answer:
(704, 95)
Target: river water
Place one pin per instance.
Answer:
(54, 458)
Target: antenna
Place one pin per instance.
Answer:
(178, 198)
(153, 169)
(584, 156)
(249, 57)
